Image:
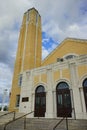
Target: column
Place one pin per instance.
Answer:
(49, 95)
(75, 88)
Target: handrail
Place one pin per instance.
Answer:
(61, 121)
(58, 123)
(9, 113)
(18, 119)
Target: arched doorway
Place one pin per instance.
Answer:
(40, 102)
(63, 100)
(85, 91)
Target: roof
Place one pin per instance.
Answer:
(32, 9)
(66, 40)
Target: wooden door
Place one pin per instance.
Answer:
(63, 103)
(64, 107)
(85, 91)
(40, 104)
(85, 96)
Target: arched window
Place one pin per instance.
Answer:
(70, 56)
(62, 85)
(85, 83)
(40, 89)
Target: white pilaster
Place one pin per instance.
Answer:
(76, 93)
(26, 107)
(49, 95)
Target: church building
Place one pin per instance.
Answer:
(54, 87)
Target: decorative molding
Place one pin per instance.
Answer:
(63, 80)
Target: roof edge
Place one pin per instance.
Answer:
(33, 8)
(60, 44)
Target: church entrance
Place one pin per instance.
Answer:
(40, 102)
(85, 91)
(64, 107)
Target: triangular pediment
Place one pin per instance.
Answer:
(66, 47)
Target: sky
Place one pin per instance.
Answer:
(60, 19)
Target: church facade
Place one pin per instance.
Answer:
(52, 88)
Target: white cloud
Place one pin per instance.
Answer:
(45, 52)
(59, 15)
(45, 40)
(5, 77)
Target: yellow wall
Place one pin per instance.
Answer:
(56, 75)
(44, 78)
(66, 73)
(40, 79)
(82, 70)
(32, 55)
(36, 79)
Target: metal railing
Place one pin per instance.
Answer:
(8, 114)
(15, 119)
(60, 122)
(18, 119)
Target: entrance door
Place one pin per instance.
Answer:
(85, 91)
(63, 100)
(40, 102)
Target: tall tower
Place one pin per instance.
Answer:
(28, 53)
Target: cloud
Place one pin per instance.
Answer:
(60, 19)
(45, 52)
(58, 16)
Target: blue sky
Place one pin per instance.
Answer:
(60, 19)
(48, 44)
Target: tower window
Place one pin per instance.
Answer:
(17, 100)
(20, 80)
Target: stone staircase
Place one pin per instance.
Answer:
(7, 118)
(41, 123)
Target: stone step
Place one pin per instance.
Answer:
(17, 114)
(43, 124)
(9, 117)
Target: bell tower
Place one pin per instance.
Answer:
(28, 53)
(31, 34)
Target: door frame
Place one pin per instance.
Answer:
(39, 111)
(85, 91)
(63, 110)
